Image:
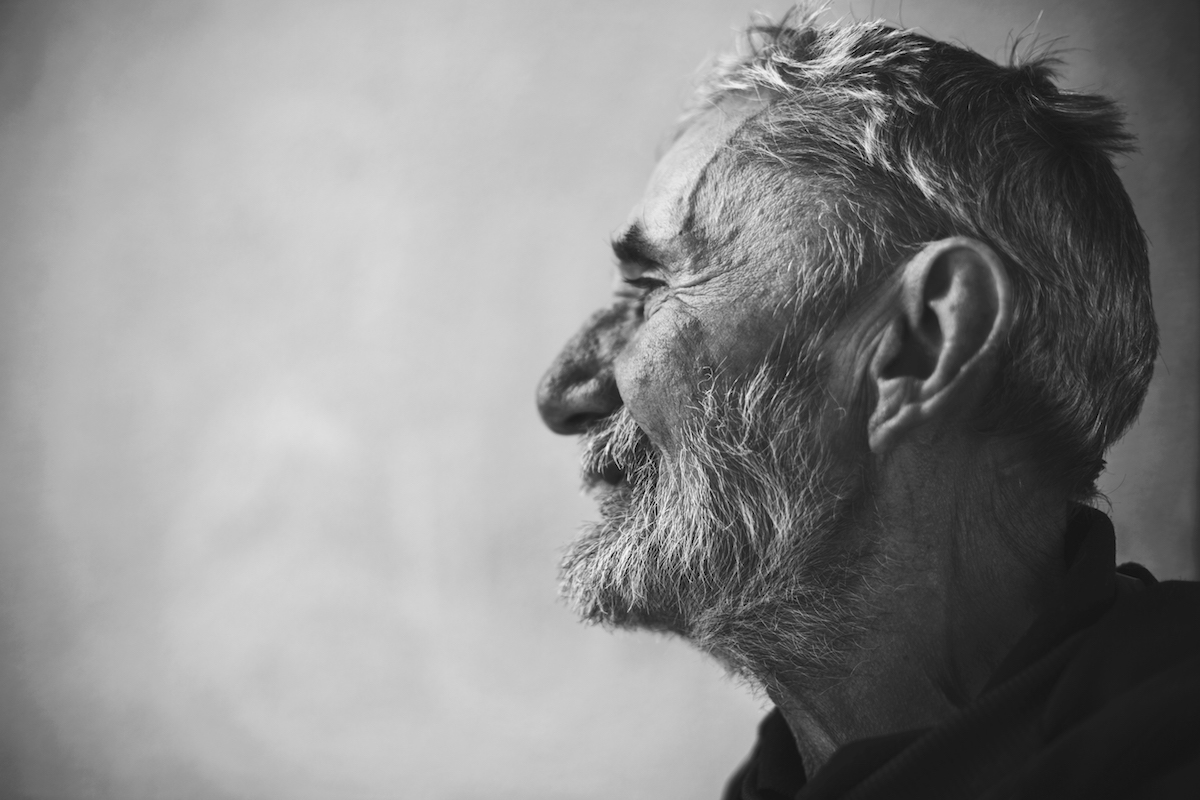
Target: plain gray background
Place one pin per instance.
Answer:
(279, 519)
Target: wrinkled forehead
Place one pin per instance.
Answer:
(671, 192)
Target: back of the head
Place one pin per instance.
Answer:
(903, 140)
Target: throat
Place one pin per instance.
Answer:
(930, 651)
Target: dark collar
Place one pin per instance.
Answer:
(1090, 547)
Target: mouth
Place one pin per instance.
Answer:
(609, 475)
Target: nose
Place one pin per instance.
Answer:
(581, 387)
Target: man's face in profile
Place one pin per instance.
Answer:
(701, 398)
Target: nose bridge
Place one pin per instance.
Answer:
(580, 387)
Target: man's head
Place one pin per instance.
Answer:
(866, 253)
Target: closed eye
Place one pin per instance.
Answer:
(643, 283)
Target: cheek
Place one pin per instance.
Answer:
(660, 374)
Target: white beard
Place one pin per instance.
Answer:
(736, 543)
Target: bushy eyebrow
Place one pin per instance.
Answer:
(632, 247)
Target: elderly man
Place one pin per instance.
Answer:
(883, 309)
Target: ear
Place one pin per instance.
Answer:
(952, 311)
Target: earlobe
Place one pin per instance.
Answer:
(951, 311)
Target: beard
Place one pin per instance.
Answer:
(737, 542)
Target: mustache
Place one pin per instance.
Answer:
(616, 450)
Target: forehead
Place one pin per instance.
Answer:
(671, 191)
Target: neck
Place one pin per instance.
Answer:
(948, 600)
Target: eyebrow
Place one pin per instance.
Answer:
(632, 247)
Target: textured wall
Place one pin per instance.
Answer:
(278, 279)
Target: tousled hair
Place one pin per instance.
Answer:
(902, 140)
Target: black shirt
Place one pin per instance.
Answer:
(1099, 698)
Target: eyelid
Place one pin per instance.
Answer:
(633, 268)
(637, 287)
(643, 282)
(631, 271)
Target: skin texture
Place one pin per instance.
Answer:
(696, 315)
(959, 579)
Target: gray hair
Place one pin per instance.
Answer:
(908, 140)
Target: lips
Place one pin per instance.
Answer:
(609, 473)
(612, 474)
(615, 454)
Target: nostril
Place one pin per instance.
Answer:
(570, 407)
(573, 412)
(579, 423)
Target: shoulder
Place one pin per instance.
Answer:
(1148, 627)
(1125, 714)
(1149, 631)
